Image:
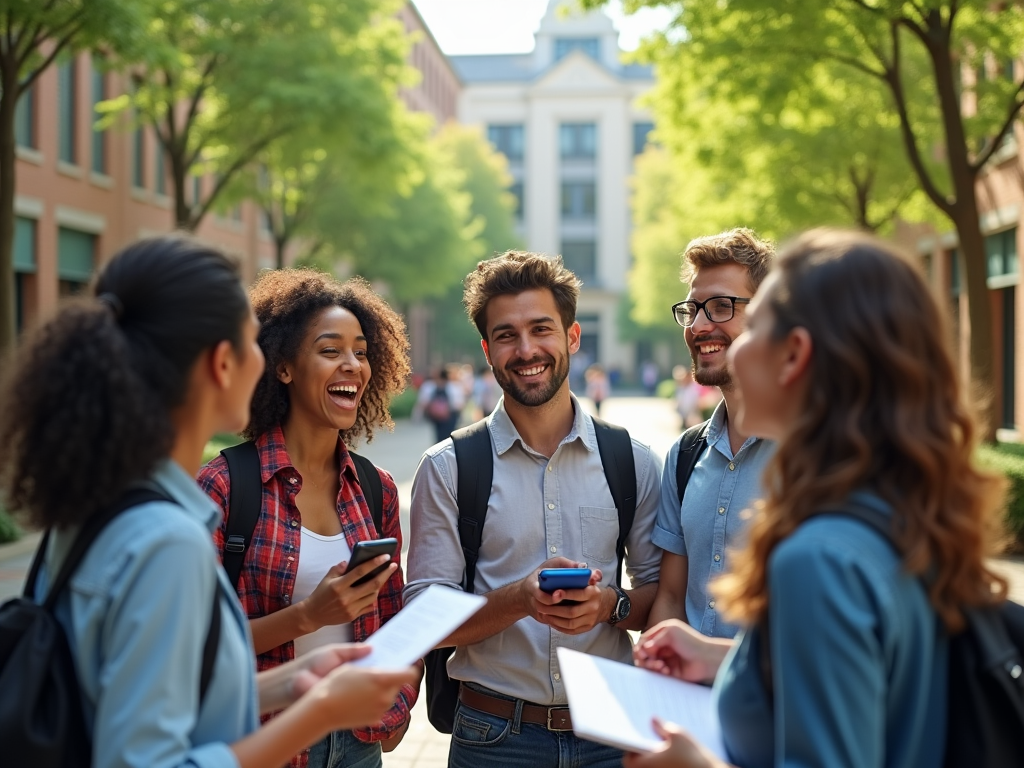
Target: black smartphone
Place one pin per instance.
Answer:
(563, 578)
(364, 551)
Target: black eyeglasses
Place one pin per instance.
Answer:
(717, 309)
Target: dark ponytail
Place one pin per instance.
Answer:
(86, 408)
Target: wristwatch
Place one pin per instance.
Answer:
(622, 605)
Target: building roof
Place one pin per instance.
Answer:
(519, 68)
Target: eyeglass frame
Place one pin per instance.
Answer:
(702, 305)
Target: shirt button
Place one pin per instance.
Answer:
(732, 465)
(294, 480)
(711, 603)
(292, 559)
(721, 510)
(287, 598)
(549, 467)
(557, 676)
(551, 506)
(554, 549)
(717, 558)
(294, 523)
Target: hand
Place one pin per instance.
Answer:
(585, 608)
(677, 751)
(677, 649)
(390, 743)
(355, 697)
(336, 601)
(312, 667)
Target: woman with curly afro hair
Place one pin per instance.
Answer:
(336, 354)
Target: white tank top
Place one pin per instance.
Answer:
(316, 556)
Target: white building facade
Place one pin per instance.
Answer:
(567, 117)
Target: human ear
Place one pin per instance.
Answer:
(798, 347)
(222, 364)
(283, 374)
(487, 354)
(574, 338)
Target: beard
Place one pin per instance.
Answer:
(708, 376)
(534, 394)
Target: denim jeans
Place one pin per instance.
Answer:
(342, 749)
(480, 739)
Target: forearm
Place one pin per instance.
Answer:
(280, 738)
(668, 603)
(641, 600)
(275, 687)
(505, 606)
(279, 627)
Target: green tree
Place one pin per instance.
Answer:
(227, 79)
(33, 35)
(881, 40)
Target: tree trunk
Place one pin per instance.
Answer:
(281, 244)
(8, 102)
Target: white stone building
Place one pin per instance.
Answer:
(567, 117)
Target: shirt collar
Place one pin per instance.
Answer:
(185, 492)
(505, 434)
(274, 456)
(718, 429)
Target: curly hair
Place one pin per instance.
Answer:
(514, 272)
(737, 246)
(286, 302)
(85, 410)
(884, 410)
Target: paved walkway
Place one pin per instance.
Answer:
(650, 420)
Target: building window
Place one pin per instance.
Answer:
(1001, 253)
(99, 137)
(24, 264)
(517, 192)
(581, 257)
(138, 158)
(160, 164)
(25, 120)
(507, 139)
(76, 260)
(578, 141)
(579, 199)
(66, 111)
(566, 45)
(641, 131)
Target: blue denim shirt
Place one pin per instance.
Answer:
(859, 659)
(137, 614)
(710, 520)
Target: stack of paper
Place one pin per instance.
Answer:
(614, 704)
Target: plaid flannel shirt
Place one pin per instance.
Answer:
(268, 573)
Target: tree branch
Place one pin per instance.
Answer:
(1011, 117)
(46, 62)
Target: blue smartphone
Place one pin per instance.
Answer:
(364, 551)
(564, 578)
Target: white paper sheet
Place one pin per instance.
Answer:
(419, 626)
(614, 704)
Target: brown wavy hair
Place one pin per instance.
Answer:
(884, 411)
(286, 301)
(736, 246)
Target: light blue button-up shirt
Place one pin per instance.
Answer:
(137, 612)
(710, 520)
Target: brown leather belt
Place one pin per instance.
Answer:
(552, 718)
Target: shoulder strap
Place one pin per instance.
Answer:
(475, 463)
(211, 645)
(616, 449)
(373, 489)
(243, 507)
(691, 448)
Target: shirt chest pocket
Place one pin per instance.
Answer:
(600, 527)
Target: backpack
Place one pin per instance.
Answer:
(985, 709)
(41, 719)
(439, 407)
(691, 447)
(247, 500)
(475, 463)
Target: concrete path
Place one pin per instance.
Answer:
(650, 420)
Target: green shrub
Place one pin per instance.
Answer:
(1008, 459)
(9, 530)
(402, 405)
(666, 389)
(217, 444)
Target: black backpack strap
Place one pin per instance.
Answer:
(211, 645)
(373, 489)
(475, 463)
(243, 507)
(616, 449)
(691, 448)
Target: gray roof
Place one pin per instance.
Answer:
(518, 68)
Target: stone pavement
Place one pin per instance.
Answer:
(650, 420)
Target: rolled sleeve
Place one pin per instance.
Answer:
(668, 526)
(435, 552)
(643, 560)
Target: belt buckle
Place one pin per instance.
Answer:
(552, 727)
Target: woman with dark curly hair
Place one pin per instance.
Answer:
(112, 401)
(845, 362)
(336, 354)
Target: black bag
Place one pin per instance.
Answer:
(691, 447)
(41, 720)
(985, 710)
(247, 501)
(476, 470)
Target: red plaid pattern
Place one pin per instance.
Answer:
(268, 574)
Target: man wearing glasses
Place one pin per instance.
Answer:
(700, 518)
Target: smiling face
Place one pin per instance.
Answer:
(330, 372)
(527, 347)
(708, 342)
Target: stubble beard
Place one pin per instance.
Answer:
(533, 396)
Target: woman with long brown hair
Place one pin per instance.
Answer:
(846, 364)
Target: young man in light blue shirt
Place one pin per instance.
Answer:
(696, 528)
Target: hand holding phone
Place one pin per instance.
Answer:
(551, 579)
(365, 551)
